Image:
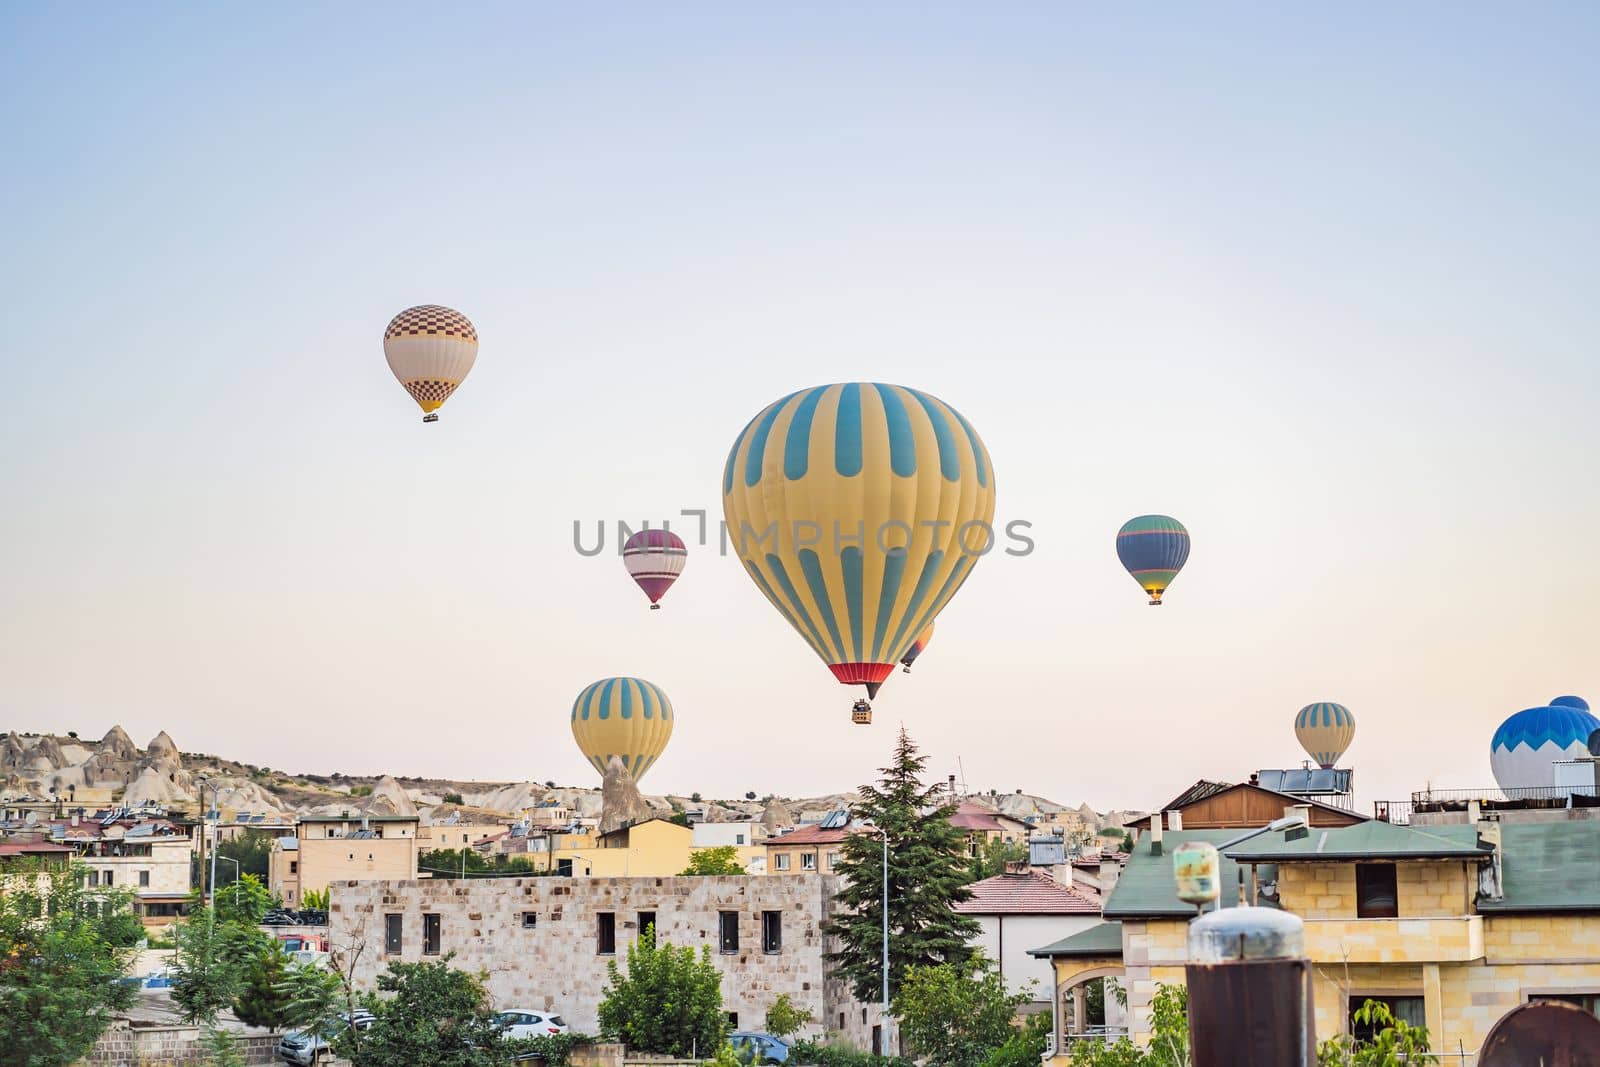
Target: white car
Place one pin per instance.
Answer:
(524, 1022)
(306, 1049)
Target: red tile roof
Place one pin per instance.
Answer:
(813, 835)
(32, 848)
(1033, 893)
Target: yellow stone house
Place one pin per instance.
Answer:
(1452, 926)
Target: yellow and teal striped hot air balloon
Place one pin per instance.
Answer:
(858, 509)
(625, 717)
(1325, 731)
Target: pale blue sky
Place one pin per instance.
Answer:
(1319, 283)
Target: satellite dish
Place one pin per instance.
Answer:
(1552, 1034)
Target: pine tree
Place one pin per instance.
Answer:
(927, 874)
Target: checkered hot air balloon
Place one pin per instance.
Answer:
(1154, 549)
(654, 559)
(629, 718)
(430, 349)
(858, 510)
(916, 648)
(1325, 731)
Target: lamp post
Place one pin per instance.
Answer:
(238, 872)
(210, 898)
(887, 1045)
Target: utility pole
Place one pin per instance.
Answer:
(203, 780)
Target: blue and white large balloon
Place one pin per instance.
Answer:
(1527, 746)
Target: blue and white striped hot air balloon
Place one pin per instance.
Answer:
(1527, 746)
(1325, 730)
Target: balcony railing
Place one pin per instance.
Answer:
(1489, 797)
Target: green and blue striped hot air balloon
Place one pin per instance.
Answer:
(1154, 549)
(1325, 730)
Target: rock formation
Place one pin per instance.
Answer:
(776, 816)
(621, 803)
(117, 744)
(388, 798)
(161, 746)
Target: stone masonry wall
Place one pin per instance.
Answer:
(556, 963)
(170, 1046)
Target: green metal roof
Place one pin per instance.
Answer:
(1549, 866)
(1372, 840)
(1103, 939)
(1146, 888)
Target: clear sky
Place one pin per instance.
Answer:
(1320, 283)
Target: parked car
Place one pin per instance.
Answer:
(525, 1022)
(305, 1049)
(757, 1048)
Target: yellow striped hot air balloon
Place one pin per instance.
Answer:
(1325, 731)
(625, 717)
(858, 509)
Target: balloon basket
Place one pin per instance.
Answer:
(861, 713)
(655, 607)
(905, 670)
(432, 416)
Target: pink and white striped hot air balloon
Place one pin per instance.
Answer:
(654, 559)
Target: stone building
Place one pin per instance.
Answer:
(1451, 926)
(330, 848)
(545, 943)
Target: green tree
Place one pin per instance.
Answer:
(669, 1001)
(263, 998)
(453, 798)
(63, 951)
(993, 859)
(244, 902)
(314, 900)
(785, 1019)
(209, 965)
(1169, 1037)
(1026, 1045)
(724, 859)
(425, 1013)
(252, 850)
(956, 1014)
(1394, 1043)
(927, 874)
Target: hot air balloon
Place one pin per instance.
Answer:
(1525, 749)
(916, 648)
(654, 558)
(1570, 702)
(430, 349)
(1325, 731)
(625, 717)
(858, 510)
(1154, 549)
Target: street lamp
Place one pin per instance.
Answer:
(238, 873)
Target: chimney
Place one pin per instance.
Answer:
(1474, 812)
(1155, 834)
(1174, 820)
(365, 825)
(74, 818)
(952, 785)
(1490, 886)
(1110, 871)
(1255, 777)
(1016, 867)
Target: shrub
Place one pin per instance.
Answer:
(808, 1053)
(453, 798)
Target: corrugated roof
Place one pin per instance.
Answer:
(1034, 893)
(1104, 939)
(1373, 839)
(1552, 866)
(1146, 888)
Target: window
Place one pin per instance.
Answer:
(144, 878)
(1589, 1002)
(1376, 896)
(530, 919)
(771, 931)
(1409, 1010)
(780, 861)
(877, 1041)
(94, 879)
(110, 876)
(833, 861)
(738, 839)
(733, 1020)
(430, 935)
(647, 921)
(841, 1020)
(393, 925)
(294, 866)
(606, 933)
(808, 861)
(728, 930)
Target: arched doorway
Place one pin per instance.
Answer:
(1092, 1005)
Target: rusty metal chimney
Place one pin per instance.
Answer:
(1250, 1000)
